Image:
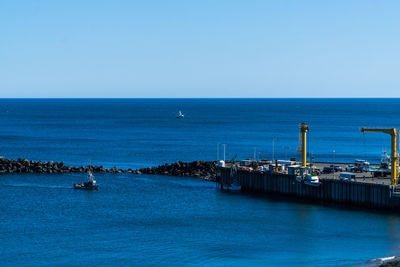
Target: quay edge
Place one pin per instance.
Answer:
(369, 195)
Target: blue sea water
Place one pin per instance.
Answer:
(159, 220)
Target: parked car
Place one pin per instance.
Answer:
(361, 165)
(350, 168)
(347, 176)
(336, 168)
(358, 169)
(361, 162)
(328, 170)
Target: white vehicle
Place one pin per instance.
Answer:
(349, 168)
(312, 180)
(262, 168)
(347, 176)
(361, 162)
(246, 163)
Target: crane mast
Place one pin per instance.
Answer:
(303, 142)
(393, 132)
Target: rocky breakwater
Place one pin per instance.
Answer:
(30, 166)
(205, 170)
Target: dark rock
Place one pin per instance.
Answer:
(201, 169)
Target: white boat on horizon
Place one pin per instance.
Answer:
(180, 115)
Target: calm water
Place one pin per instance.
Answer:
(155, 220)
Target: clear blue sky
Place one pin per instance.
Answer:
(222, 48)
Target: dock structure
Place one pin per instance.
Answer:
(355, 193)
(312, 181)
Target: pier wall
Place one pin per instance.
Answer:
(369, 195)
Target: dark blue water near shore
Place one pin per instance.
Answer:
(155, 220)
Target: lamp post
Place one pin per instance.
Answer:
(333, 161)
(273, 149)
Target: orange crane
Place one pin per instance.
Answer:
(393, 132)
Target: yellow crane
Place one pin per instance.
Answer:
(393, 132)
(303, 142)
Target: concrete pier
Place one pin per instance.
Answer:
(370, 195)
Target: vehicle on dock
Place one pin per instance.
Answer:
(90, 184)
(336, 168)
(381, 173)
(312, 180)
(262, 168)
(347, 176)
(350, 168)
(362, 162)
(328, 170)
(308, 176)
(385, 166)
(361, 165)
(385, 161)
(371, 168)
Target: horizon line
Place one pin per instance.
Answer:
(253, 98)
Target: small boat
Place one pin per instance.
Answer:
(90, 184)
(180, 115)
(312, 180)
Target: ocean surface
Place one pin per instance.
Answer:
(160, 220)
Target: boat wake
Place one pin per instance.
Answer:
(26, 185)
